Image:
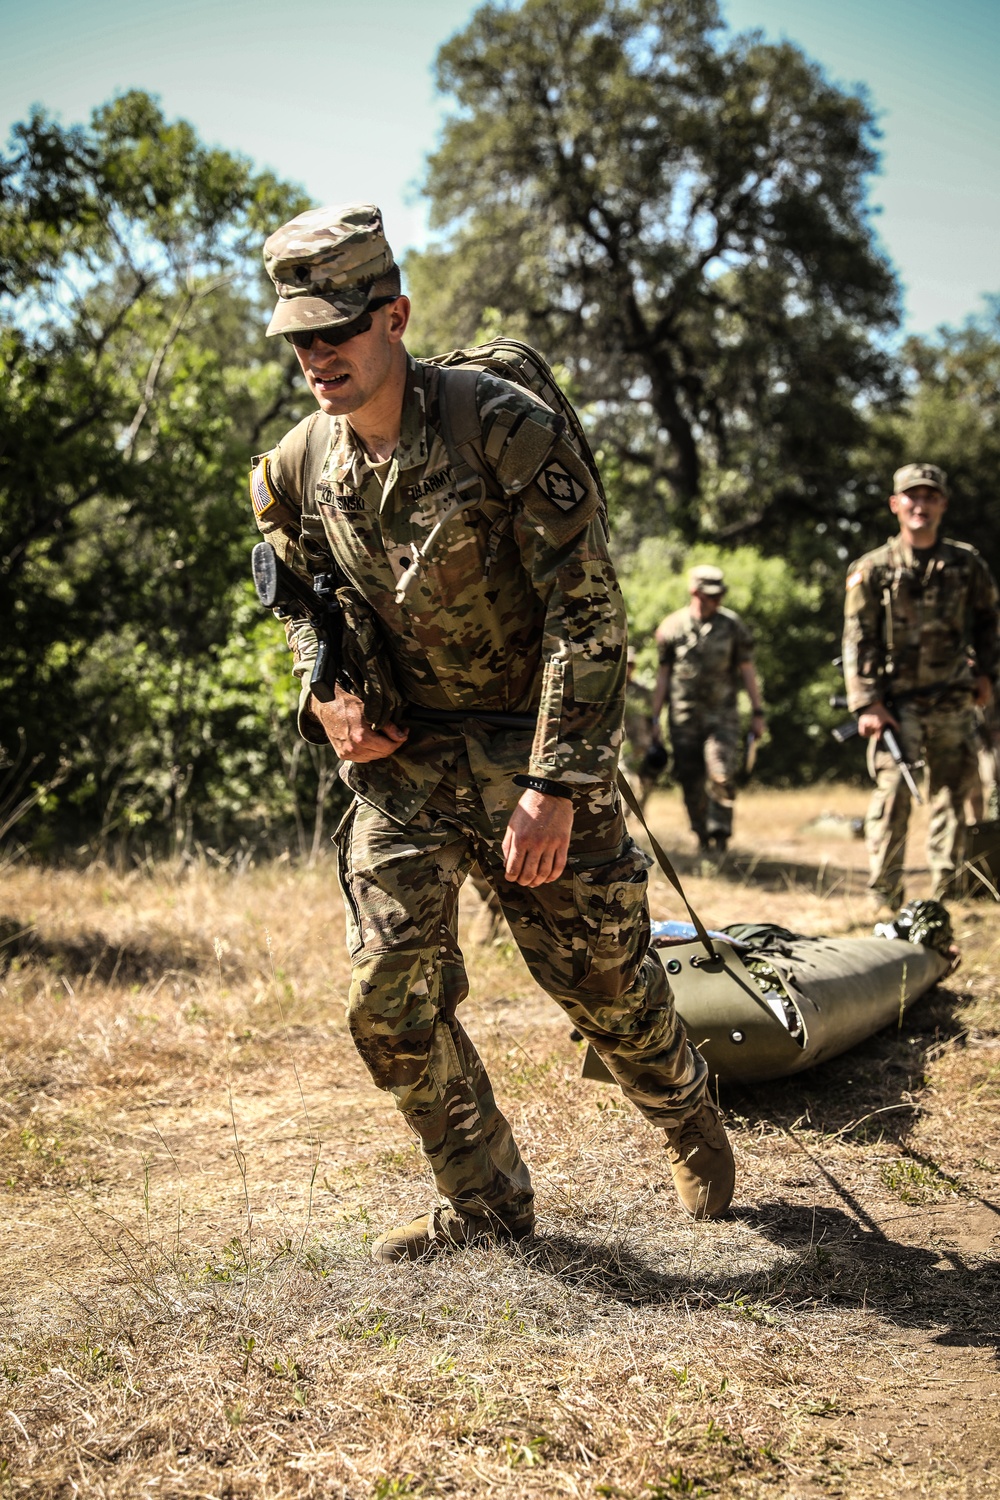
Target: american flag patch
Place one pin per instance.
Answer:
(262, 496)
(855, 577)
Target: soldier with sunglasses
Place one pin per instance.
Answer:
(492, 599)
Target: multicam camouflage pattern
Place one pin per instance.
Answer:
(942, 611)
(940, 732)
(708, 580)
(706, 764)
(912, 475)
(517, 609)
(323, 263)
(705, 658)
(918, 629)
(585, 938)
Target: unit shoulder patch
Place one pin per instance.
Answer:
(561, 487)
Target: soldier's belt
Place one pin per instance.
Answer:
(447, 716)
(932, 693)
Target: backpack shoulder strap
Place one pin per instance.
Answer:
(317, 441)
(461, 428)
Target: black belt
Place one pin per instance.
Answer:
(445, 716)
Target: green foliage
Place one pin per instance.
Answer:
(680, 217)
(796, 628)
(136, 382)
(616, 177)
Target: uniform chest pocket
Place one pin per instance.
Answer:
(352, 533)
(454, 561)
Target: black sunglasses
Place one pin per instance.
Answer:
(341, 332)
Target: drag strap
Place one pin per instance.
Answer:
(661, 859)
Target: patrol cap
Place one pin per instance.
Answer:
(707, 580)
(910, 475)
(322, 264)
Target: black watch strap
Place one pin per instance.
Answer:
(544, 785)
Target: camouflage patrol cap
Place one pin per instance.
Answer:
(707, 580)
(910, 475)
(322, 264)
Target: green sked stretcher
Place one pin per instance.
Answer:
(772, 1002)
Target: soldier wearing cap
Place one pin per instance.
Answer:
(706, 656)
(486, 588)
(920, 651)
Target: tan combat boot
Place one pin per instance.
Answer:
(422, 1236)
(701, 1162)
(440, 1232)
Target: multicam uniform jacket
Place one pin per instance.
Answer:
(914, 622)
(704, 657)
(517, 608)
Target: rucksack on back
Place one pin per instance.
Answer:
(522, 365)
(510, 359)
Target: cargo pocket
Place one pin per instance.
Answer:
(614, 924)
(342, 840)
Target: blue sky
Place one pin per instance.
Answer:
(338, 95)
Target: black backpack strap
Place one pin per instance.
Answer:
(317, 444)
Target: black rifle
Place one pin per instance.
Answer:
(279, 588)
(846, 731)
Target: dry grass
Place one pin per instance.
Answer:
(194, 1162)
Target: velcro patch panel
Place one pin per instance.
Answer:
(524, 454)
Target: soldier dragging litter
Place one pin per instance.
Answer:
(706, 655)
(920, 652)
(469, 535)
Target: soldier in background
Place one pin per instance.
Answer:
(706, 656)
(920, 652)
(516, 612)
(639, 760)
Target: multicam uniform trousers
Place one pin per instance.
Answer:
(940, 733)
(706, 762)
(585, 939)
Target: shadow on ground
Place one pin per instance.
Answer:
(90, 955)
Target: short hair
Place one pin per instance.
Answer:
(389, 284)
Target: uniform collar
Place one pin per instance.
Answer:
(906, 555)
(699, 624)
(347, 461)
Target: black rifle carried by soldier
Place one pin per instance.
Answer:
(350, 657)
(350, 654)
(847, 731)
